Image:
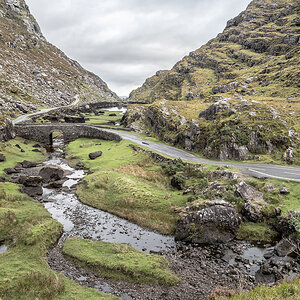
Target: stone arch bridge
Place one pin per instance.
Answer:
(44, 133)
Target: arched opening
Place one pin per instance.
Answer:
(56, 139)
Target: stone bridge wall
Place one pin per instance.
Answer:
(43, 133)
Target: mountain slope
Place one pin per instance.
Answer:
(33, 72)
(262, 42)
(236, 97)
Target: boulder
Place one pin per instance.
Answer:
(214, 222)
(32, 191)
(36, 146)
(254, 202)
(284, 191)
(2, 179)
(74, 119)
(28, 164)
(112, 115)
(50, 173)
(94, 155)
(284, 247)
(2, 157)
(10, 171)
(249, 193)
(32, 181)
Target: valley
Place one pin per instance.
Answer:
(187, 189)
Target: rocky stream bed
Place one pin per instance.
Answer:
(235, 266)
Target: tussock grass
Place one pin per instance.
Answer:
(120, 261)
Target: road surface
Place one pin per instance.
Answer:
(256, 170)
(43, 111)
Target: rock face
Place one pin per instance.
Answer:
(222, 83)
(2, 157)
(35, 73)
(266, 33)
(216, 222)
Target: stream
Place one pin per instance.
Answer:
(220, 264)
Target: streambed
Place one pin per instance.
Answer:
(201, 268)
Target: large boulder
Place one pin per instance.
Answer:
(30, 180)
(32, 191)
(249, 193)
(255, 204)
(214, 222)
(50, 173)
(94, 155)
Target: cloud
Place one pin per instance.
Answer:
(126, 41)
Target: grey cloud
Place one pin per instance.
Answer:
(126, 41)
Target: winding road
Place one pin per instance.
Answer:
(253, 169)
(256, 170)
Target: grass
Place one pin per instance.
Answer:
(256, 232)
(290, 201)
(29, 231)
(120, 261)
(284, 291)
(14, 155)
(104, 118)
(128, 184)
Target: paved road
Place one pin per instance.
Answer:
(256, 170)
(43, 111)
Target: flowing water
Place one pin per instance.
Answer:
(80, 220)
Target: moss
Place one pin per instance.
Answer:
(120, 261)
(256, 232)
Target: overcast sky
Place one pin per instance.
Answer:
(126, 41)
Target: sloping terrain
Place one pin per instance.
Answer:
(33, 72)
(248, 77)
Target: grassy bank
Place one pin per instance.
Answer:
(119, 261)
(128, 184)
(29, 231)
(12, 151)
(284, 291)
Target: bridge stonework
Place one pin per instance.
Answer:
(70, 132)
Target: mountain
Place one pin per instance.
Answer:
(237, 96)
(33, 72)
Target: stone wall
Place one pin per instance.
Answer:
(43, 133)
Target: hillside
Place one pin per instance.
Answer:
(248, 77)
(33, 72)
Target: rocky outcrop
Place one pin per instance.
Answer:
(214, 222)
(6, 130)
(224, 81)
(265, 35)
(35, 73)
